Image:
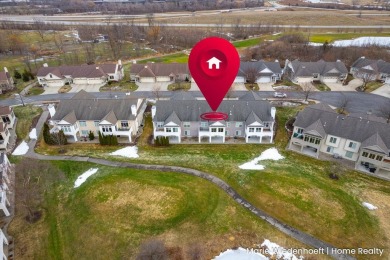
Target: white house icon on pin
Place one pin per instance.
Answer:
(214, 61)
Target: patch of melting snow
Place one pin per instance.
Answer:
(22, 149)
(369, 206)
(33, 134)
(83, 177)
(359, 42)
(270, 249)
(129, 152)
(269, 154)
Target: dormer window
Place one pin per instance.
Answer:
(51, 76)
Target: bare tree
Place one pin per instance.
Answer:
(366, 76)
(307, 89)
(157, 91)
(343, 103)
(33, 178)
(384, 111)
(152, 250)
(59, 43)
(39, 26)
(251, 74)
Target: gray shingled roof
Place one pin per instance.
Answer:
(190, 110)
(252, 118)
(82, 71)
(159, 69)
(379, 65)
(182, 95)
(350, 127)
(316, 129)
(259, 66)
(5, 111)
(375, 141)
(305, 69)
(4, 76)
(172, 118)
(86, 107)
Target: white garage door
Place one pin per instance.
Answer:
(95, 81)
(239, 80)
(264, 80)
(54, 83)
(146, 80)
(80, 81)
(329, 79)
(163, 79)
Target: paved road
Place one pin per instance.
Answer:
(288, 230)
(358, 102)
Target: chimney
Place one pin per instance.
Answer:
(153, 111)
(5, 70)
(45, 65)
(363, 57)
(338, 60)
(273, 112)
(133, 110)
(120, 62)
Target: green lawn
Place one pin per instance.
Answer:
(297, 186)
(111, 214)
(371, 86)
(170, 58)
(330, 37)
(123, 85)
(254, 41)
(36, 90)
(25, 116)
(179, 86)
(321, 86)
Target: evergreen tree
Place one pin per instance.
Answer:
(25, 76)
(46, 134)
(100, 138)
(17, 75)
(157, 141)
(91, 135)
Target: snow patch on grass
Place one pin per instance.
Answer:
(369, 206)
(22, 149)
(240, 254)
(269, 154)
(83, 177)
(129, 152)
(33, 134)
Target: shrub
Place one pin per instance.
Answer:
(46, 134)
(25, 77)
(91, 136)
(17, 75)
(108, 139)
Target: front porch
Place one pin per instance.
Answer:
(304, 149)
(259, 139)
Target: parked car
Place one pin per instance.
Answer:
(280, 95)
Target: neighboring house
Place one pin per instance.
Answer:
(7, 116)
(324, 71)
(249, 117)
(5, 168)
(159, 72)
(361, 138)
(4, 136)
(259, 72)
(6, 81)
(84, 113)
(83, 74)
(378, 69)
(3, 241)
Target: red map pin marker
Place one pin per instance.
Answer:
(214, 63)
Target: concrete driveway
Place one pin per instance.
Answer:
(161, 86)
(383, 91)
(194, 87)
(238, 86)
(50, 90)
(352, 85)
(266, 86)
(87, 87)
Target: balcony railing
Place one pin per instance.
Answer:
(298, 135)
(204, 129)
(123, 129)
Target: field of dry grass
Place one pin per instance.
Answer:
(288, 17)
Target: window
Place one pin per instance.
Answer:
(187, 132)
(329, 149)
(66, 129)
(238, 132)
(96, 123)
(349, 154)
(84, 132)
(228, 124)
(220, 130)
(352, 145)
(124, 124)
(168, 130)
(333, 140)
(111, 77)
(83, 123)
(175, 129)
(160, 124)
(365, 154)
(106, 129)
(300, 130)
(266, 125)
(258, 129)
(51, 76)
(379, 158)
(371, 156)
(186, 124)
(5, 119)
(251, 130)
(214, 130)
(238, 124)
(203, 124)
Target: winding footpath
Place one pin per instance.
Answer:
(288, 230)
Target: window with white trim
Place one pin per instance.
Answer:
(124, 124)
(66, 129)
(349, 154)
(186, 124)
(83, 123)
(96, 123)
(106, 129)
(84, 132)
(333, 140)
(160, 124)
(238, 124)
(352, 145)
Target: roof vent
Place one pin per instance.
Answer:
(363, 57)
(360, 118)
(97, 68)
(338, 60)
(303, 67)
